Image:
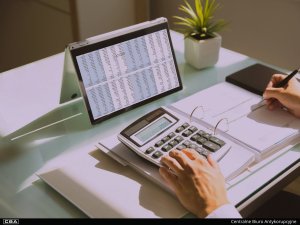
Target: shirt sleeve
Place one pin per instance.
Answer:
(225, 211)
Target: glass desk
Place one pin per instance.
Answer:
(31, 91)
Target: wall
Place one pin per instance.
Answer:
(34, 29)
(100, 16)
(267, 30)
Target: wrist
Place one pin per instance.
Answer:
(212, 207)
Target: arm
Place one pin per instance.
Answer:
(197, 182)
(288, 96)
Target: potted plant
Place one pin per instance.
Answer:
(202, 41)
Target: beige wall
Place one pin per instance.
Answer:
(100, 16)
(31, 30)
(34, 29)
(264, 29)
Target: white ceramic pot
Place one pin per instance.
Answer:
(203, 53)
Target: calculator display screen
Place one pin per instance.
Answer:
(153, 129)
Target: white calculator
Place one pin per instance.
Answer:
(155, 134)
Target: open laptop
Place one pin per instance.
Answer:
(126, 68)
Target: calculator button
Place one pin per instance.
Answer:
(179, 129)
(205, 153)
(166, 148)
(173, 143)
(187, 133)
(165, 139)
(195, 137)
(199, 149)
(185, 125)
(149, 150)
(202, 151)
(211, 146)
(179, 139)
(207, 136)
(193, 129)
(171, 135)
(158, 144)
(217, 141)
(192, 146)
(157, 154)
(201, 132)
(201, 140)
(187, 143)
(180, 147)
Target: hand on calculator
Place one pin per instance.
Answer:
(197, 181)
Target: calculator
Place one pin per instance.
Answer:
(156, 133)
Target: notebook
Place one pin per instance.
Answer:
(256, 129)
(253, 78)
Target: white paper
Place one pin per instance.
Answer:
(222, 100)
(262, 129)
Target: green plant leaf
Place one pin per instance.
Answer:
(193, 14)
(199, 11)
(187, 20)
(189, 11)
(198, 22)
(186, 10)
(184, 24)
(206, 6)
(210, 8)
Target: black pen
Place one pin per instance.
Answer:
(282, 83)
(287, 79)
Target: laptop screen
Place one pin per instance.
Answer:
(127, 71)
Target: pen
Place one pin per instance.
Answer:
(287, 79)
(282, 83)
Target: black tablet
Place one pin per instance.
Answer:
(121, 70)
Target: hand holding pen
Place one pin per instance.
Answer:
(283, 91)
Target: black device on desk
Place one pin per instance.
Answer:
(156, 133)
(254, 78)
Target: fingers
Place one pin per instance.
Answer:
(181, 158)
(172, 164)
(194, 155)
(273, 104)
(212, 162)
(170, 178)
(180, 162)
(271, 92)
(276, 78)
(191, 153)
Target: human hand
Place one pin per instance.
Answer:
(197, 182)
(288, 97)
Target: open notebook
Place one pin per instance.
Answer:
(255, 128)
